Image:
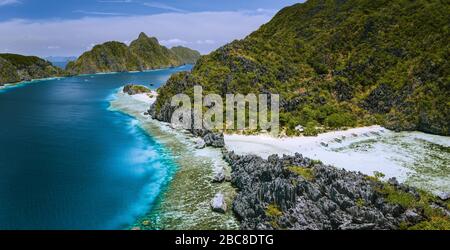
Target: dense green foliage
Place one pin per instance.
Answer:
(15, 68)
(143, 53)
(108, 57)
(140, 89)
(306, 173)
(341, 63)
(152, 55)
(8, 73)
(133, 89)
(435, 217)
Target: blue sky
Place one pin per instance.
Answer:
(69, 27)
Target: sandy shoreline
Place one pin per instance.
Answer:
(266, 145)
(12, 85)
(418, 159)
(145, 98)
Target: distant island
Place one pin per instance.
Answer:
(17, 68)
(144, 53)
(60, 61)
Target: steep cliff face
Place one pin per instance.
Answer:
(341, 63)
(151, 54)
(143, 53)
(16, 68)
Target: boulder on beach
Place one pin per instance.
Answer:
(214, 139)
(218, 203)
(219, 175)
(199, 143)
(444, 196)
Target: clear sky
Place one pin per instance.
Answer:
(70, 27)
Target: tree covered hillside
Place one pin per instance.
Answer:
(340, 63)
(144, 53)
(16, 68)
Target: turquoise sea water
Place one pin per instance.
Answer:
(68, 162)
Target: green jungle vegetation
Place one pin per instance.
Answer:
(339, 64)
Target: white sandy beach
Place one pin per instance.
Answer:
(146, 98)
(409, 156)
(320, 148)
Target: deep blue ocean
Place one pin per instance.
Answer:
(68, 162)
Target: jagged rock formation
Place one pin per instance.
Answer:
(340, 63)
(143, 53)
(294, 192)
(16, 68)
(210, 138)
(214, 139)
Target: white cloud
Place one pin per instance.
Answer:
(173, 42)
(207, 41)
(156, 5)
(8, 2)
(212, 29)
(162, 6)
(99, 13)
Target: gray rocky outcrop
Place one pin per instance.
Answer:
(293, 192)
(444, 195)
(219, 174)
(211, 138)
